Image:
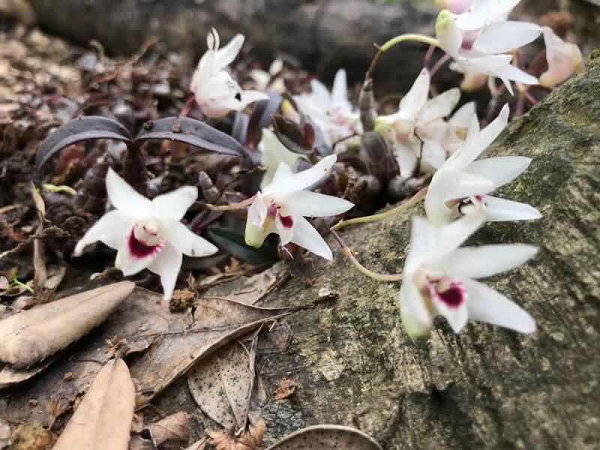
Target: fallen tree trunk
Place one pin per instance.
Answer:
(322, 35)
(486, 387)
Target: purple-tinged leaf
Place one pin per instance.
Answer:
(191, 132)
(82, 129)
(261, 117)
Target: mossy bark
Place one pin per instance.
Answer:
(486, 387)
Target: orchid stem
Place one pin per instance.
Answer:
(398, 40)
(230, 207)
(376, 217)
(360, 267)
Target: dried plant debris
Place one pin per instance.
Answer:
(218, 322)
(327, 437)
(33, 335)
(286, 388)
(136, 324)
(104, 416)
(174, 428)
(222, 385)
(247, 440)
(5, 433)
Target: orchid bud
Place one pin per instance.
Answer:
(564, 59)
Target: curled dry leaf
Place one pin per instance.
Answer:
(39, 261)
(175, 427)
(31, 336)
(136, 324)
(327, 437)
(286, 388)
(222, 385)
(219, 322)
(103, 418)
(248, 440)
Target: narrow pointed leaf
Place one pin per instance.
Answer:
(82, 129)
(31, 336)
(191, 132)
(103, 418)
(327, 437)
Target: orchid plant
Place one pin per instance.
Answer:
(215, 91)
(147, 233)
(431, 140)
(332, 112)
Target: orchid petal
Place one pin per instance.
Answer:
(188, 242)
(453, 235)
(313, 204)
(510, 72)
(416, 319)
(285, 230)
(423, 238)
(339, 93)
(306, 236)
(226, 55)
(252, 96)
(407, 158)
(416, 97)
(274, 152)
(433, 155)
(285, 182)
(505, 36)
(124, 197)
(320, 94)
(487, 305)
(439, 106)
(131, 264)
(499, 209)
(112, 229)
(484, 12)
(463, 116)
(477, 143)
(500, 170)
(257, 212)
(167, 266)
(456, 317)
(174, 205)
(564, 58)
(487, 260)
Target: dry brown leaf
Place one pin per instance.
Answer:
(103, 418)
(251, 290)
(286, 388)
(5, 434)
(138, 322)
(175, 427)
(32, 437)
(327, 437)
(248, 440)
(222, 385)
(218, 322)
(199, 445)
(33, 335)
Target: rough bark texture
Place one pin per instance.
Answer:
(487, 387)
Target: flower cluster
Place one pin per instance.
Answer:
(429, 137)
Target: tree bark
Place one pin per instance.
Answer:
(486, 387)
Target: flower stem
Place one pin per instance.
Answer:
(360, 267)
(230, 207)
(398, 40)
(376, 217)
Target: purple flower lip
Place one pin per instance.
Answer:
(139, 250)
(287, 221)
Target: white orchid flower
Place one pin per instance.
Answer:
(273, 152)
(478, 38)
(564, 59)
(147, 234)
(458, 125)
(454, 6)
(417, 129)
(461, 185)
(332, 112)
(438, 279)
(281, 207)
(215, 91)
